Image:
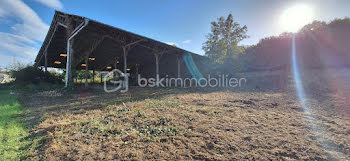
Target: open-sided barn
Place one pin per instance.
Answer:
(75, 42)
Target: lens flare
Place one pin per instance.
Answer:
(315, 128)
(297, 78)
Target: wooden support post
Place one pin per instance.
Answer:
(45, 61)
(158, 55)
(157, 68)
(137, 72)
(126, 49)
(93, 76)
(157, 63)
(69, 81)
(137, 69)
(101, 81)
(71, 32)
(115, 67)
(86, 71)
(125, 54)
(178, 67)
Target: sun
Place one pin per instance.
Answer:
(296, 17)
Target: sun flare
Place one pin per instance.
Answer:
(296, 17)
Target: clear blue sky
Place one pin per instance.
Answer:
(24, 23)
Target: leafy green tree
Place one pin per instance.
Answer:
(222, 44)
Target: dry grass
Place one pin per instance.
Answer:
(183, 124)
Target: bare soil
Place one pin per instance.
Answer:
(187, 124)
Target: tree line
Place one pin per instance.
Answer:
(318, 45)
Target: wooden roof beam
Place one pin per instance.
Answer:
(47, 45)
(133, 43)
(115, 59)
(93, 47)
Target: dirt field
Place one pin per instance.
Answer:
(182, 124)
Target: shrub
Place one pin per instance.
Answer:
(31, 74)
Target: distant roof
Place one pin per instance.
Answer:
(104, 43)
